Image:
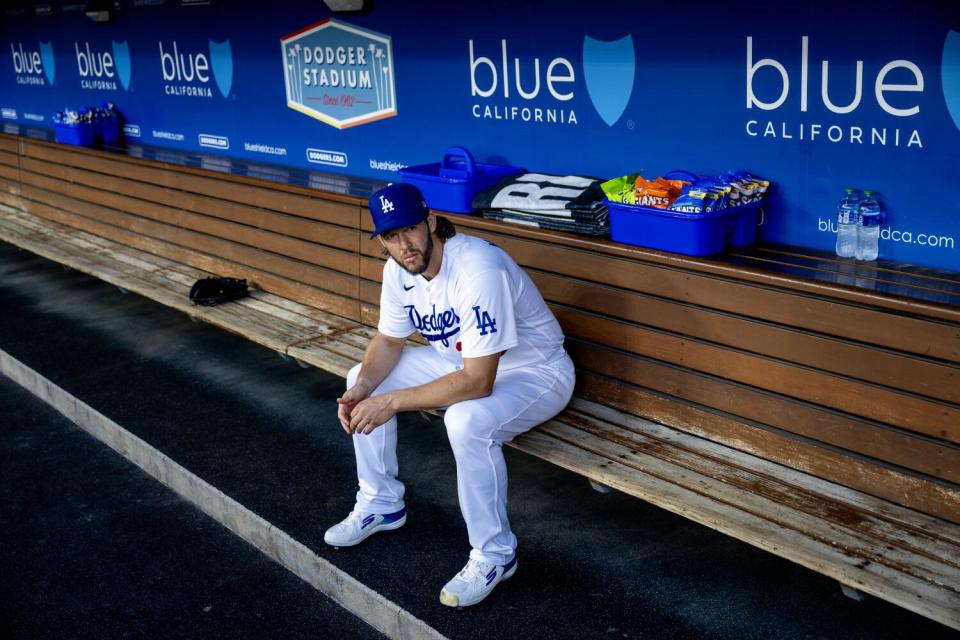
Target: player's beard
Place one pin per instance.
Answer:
(418, 267)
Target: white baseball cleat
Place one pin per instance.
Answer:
(475, 582)
(358, 526)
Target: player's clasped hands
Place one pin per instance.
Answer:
(361, 414)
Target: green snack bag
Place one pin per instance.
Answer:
(620, 189)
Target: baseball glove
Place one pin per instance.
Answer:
(213, 290)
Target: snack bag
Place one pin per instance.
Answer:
(620, 189)
(752, 187)
(653, 194)
(690, 202)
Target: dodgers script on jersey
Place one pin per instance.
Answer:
(480, 303)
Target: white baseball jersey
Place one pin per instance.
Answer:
(479, 304)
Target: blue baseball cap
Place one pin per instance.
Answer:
(397, 205)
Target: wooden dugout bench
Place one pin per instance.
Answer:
(759, 394)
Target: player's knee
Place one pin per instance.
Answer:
(352, 376)
(465, 420)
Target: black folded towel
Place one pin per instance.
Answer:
(598, 227)
(562, 197)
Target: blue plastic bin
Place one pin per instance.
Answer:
(692, 234)
(80, 134)
(107, 131)
(450, 185)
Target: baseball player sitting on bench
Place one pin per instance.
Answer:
(496, 363)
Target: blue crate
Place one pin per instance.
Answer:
(107, 130)
(80, 134)
(692, 234)
(450, 185)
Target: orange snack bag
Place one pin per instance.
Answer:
(658, 193)
(654, 195)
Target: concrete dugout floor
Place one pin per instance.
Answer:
(92, 547)
(265, 432)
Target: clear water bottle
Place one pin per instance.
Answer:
(868, 231)
(847, 218)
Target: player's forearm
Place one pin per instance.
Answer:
(442, 392)
(380, 358)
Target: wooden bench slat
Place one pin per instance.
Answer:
(233, 191)
(903, 448)
(113, 184)
(39, 242)
(9, 188)
(369, 315)
(295, 226)
(322, 354)
(61, 187)
(337, 354)
(920, 526)
(51, 192)
(86, 201)
(295, 326)
(283, 305)
(313, 296)
(864, 475)
(9, 160)
(371, 269)
(891, 584)
(101, 218)
(6, 198)
(328, 323)
(787, 510)
(98, 218)
(183, 276)
(888, 368)
(243, 317)
(739, 474)
(933, 418)
(123, 194)
(369, 292)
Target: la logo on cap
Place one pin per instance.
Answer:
(385, 205)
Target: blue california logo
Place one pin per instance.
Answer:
(100, 69)
(31, 66)
(189, 72)
(221, 57)
(121, 58)
(950, 75)
(520, 88)
(49, 62)
(608, 71)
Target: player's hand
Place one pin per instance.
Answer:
(370, 413)
(347, 402)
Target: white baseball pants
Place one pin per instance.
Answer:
(522, 398)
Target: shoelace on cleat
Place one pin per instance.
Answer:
(475, 570)
(355, 516)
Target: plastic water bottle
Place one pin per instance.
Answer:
(847, 218)
(868, 231)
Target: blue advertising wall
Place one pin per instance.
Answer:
(814, 96)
